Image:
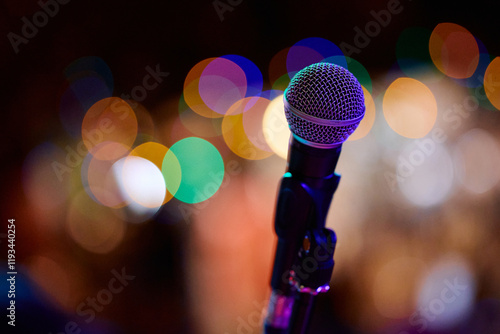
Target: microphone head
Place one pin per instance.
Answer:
(324, 104)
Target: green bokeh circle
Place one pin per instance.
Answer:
(194, 168)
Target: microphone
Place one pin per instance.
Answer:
(324, 104)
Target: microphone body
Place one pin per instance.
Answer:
(304, 197)
(324, 104)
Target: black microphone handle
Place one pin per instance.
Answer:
(304, 197)
(312, 162)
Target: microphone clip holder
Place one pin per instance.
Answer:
(314, 267)
(315, 262)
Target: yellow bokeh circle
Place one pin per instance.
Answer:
(409, 108)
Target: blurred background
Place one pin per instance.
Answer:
(143, 144)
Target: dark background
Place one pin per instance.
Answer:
(132, 35)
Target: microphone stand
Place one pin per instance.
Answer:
(316, 258)
(304, 254)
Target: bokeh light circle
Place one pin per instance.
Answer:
(152, 151)
(454, 50)
(47, 173)
(101, 179)
(447, 293)
(253, 121)
(492, 82)
(221, 84)
(276, 130)
(195, 167)
(312, 50)
(476, 80)
(109, 120)
(477, 161)
(141, 181)
(281, 83)
(92, 226)
(243, 132)
(277, 66)
(192, 93)
(90, 66)
(425, 173)
(409, 107)
(254, 79)
(301, 56)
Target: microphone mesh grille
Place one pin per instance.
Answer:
(327, 91)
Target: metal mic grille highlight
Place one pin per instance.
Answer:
(324, 104)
